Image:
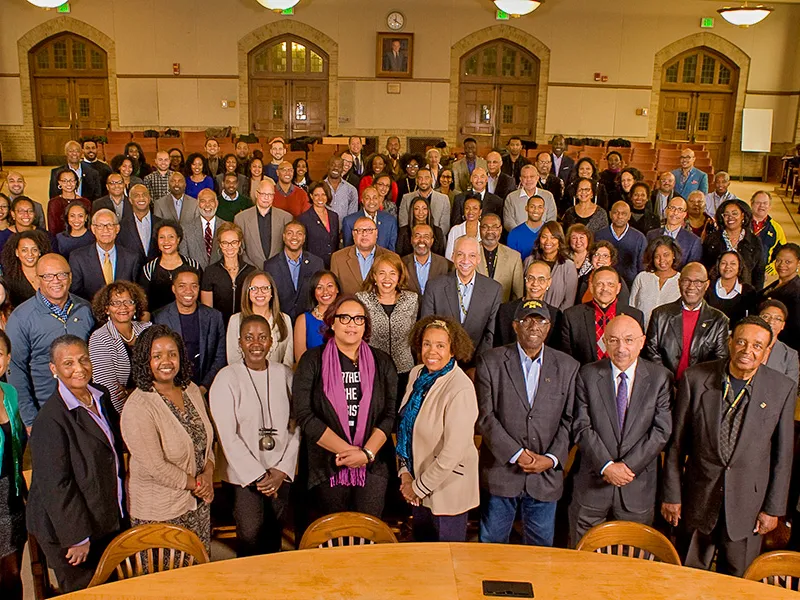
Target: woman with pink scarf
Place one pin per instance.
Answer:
(344, 398)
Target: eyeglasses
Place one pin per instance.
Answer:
(534, 321)
(491, 227)
(687, 157)
(445, 177)
(24, 211)
(260, 288)
(121, 303)
(359, 231)
(104, 226)
(695, 283)
(533, 279)
(265, 194)
(227, 244)
(120, 182)
(676, 209)
(772, 318)
(61, 276)
(345, 319)
(628, 341)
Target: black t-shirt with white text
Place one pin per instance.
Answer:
(351, 378)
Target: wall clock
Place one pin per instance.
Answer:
(395, 20)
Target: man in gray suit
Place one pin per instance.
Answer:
(176, 205)
(438, 203)
(262, 226)
(525, 397)
(466, 295)
(199, 234)
(422, 264)
(727, 468)
(621, 423)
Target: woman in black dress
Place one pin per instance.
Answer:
(735, 232)
(18, 258)
(221, 286)
(728, 291)
(419, 213)
(156, 277)
(321, 223)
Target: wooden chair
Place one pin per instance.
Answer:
(780, 568)
(666, 145)
(624, 538)
(157, 542)
(346, 529)
(694, 147)
(642, 146)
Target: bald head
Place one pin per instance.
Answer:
(54, 277)
(494, 162)
(624, 340)
(16, 184)
(693, 284)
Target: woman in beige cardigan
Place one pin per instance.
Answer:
(435, 447)
(169, 435)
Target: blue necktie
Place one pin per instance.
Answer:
(622, 399)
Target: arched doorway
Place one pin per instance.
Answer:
(288, 88)
(69, 81)
(498, 94)
(697, 100)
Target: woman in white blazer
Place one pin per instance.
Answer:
(250, 404)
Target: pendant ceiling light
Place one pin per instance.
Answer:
(517, 8)
(47, 3)
(278, 5)
(744, 16)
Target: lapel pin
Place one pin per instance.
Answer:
(763, 405)
(703, 325)
(547, 380)
(305, 262)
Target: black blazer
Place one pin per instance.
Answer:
(128, 237)
(107, 202)
(756, 478)
(314, 414)
(665, 336)
(505, 185)
(439, 266)
(293, 302)
(404, 247)
(74, 487)
(319, 241)
(789, 294)
(646, 222)
(90, 182)
(508, 423)
(578, 337)
(212, 339)
(648, 425)
(87, 270)
(504, 332)
(103, 169)
(567, 164)
(491, 204)
(752, 255)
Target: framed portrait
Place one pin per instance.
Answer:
(395, 55)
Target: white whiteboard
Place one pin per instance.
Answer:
(757, 130)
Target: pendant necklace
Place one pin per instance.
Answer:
(266, 435)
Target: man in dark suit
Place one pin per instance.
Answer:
(499, 184)
(622, 421)
(201, 327)
(547, 179)
(513, 161)
(525, 397)
(99, 264)
(200, 241)
(727, 468)
(489, 202)
(584, 325)
(629, 242)
(675, 227)
(137, 230)
(292, 271)
(395, 60)
(687, 331)
(386, 223)
(89, 179)
(562, 164)
(90, 159)
(422, 264)
(352, 264)
(115, 199)
(466, 295)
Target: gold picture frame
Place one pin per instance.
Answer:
(394, 55)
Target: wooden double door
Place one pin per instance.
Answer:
(288, 108)
(491, 113)
(698, 118)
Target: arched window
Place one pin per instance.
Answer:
(498, 62)
(288, 57)
(702, 68)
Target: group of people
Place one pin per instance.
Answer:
(282, 344)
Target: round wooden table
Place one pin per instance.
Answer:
(433, 572)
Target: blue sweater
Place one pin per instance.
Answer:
(31, 329)
(522, 239)
(630, 250)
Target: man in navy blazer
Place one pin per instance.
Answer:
(292, 271)
(386, 223)
(201, 327)
(89, 186)
(674, 227)
(139, 217)
(562, 164)
(88, 264)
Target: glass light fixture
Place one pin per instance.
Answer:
(517, 8)
(278, 5)
(48, 3)
(744, 16)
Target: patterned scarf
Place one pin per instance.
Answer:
(333, 387)
(601, 319)
(408, 415)
(62, 314)
(729, 245)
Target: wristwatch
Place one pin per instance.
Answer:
(370, 454)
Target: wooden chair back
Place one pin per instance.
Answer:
(634, 540)
(346, 529)
(780, 568)
(165, 547)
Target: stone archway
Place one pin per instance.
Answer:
(727, 49)
(480, 37)
(266, 32)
